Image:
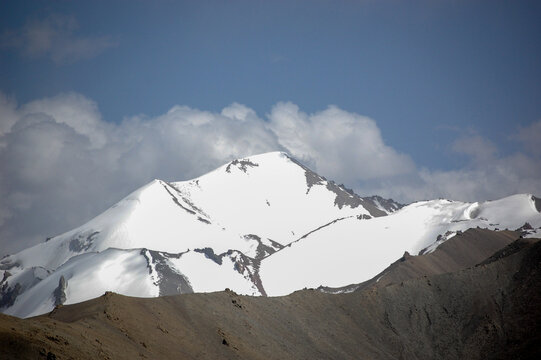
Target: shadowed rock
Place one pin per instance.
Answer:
(344, 196)
(59, 293)
(9, 294)
(244, 265)
(169, 280)
(388, 204)
(209, 254)
(537, 203)
(242, 164)
(82, 242)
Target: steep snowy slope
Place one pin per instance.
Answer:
(137, 272)
(149, 217)
(354, 250)
(270, 196)
(210, 232)
(263, 225)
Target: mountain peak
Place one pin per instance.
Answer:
(264, 224)
(270, 159)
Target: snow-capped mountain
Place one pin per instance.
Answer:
(263, 225)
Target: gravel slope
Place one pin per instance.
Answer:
(489, 311)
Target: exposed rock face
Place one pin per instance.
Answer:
(489, 311)
(209, 254)
(9, 294)
(388, 205)
(241, 164)
(344, 196)
(245, 265)
(537, 203)
(170, 281)
(59, 293)
(12, 286)
(82, 242)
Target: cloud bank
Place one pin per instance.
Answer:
(61, 164)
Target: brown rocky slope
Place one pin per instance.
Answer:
(489, 311)
(460, 252)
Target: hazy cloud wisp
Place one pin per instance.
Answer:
(55, 37)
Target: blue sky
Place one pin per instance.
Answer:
(447, 93)
(418, 68)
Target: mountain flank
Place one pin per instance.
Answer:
(265, 225)
(464, 250)
(488, 311)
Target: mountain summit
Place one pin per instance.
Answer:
(262, 225)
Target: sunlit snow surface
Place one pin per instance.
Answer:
(351, 251)
(89, 276)
(258, 225)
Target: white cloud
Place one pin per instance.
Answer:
(530, 137)
(344, 145)
(479, 149)
(8, 115)
(239, 112)
(76, 111)
(486, 176)
(62, 164)
(55, 37)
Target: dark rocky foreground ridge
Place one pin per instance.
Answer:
(488, 311)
